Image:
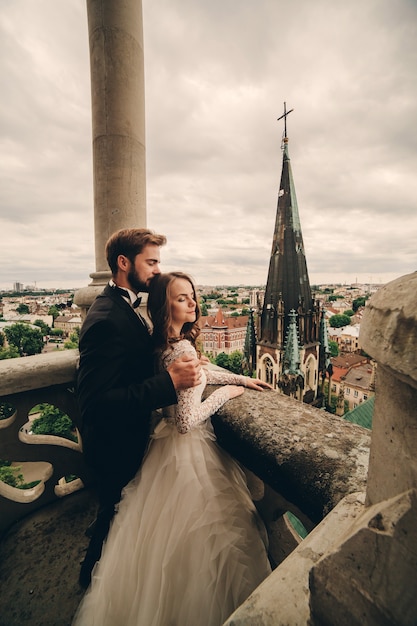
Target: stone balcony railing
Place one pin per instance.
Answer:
(307, 460)
(358, 564)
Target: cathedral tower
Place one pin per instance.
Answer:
(290, 318)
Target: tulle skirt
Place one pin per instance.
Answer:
(186, 546)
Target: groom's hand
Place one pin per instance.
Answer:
(185, 372)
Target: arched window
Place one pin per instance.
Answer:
(269, 370)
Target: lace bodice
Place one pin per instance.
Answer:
(189, 410)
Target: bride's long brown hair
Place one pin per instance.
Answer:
(159, 311)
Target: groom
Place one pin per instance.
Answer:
(117, 385)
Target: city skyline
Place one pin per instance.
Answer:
(214, 145)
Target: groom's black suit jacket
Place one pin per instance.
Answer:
(117, 388)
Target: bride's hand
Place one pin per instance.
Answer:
(234, 391)
(256, 383)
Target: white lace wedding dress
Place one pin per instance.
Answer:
(186, 546)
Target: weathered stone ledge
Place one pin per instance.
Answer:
(307, 455)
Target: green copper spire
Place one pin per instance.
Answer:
(292, 347)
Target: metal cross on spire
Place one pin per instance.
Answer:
(285, 118)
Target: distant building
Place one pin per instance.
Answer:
(68, 324)
(222, 334)
(346, 337)
(352, 381)
(18, 287)
(256, 298)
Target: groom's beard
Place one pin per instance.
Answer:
(136, 283)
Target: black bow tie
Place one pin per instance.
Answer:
(125, 294)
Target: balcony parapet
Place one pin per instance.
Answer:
(309, 457)
(304, 460)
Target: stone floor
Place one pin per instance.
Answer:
(39, 563)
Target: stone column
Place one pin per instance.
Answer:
(118, 124)
(389, 334)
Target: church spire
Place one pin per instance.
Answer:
(288, 280)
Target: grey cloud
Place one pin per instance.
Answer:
(216, 77)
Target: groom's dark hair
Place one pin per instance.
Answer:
(130, 242)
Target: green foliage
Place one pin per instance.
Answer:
(23, 309)
(45, 329)
(334, 348)
(56, 332)
(71, 345)
(349, 312)
(10, 475)
(231, 362)
(359, 302)
(27, 340)
(339, 320)
(204, 310)
(53, 421)
(235, 362)
(2, 339)
(9, 353)
(222, 360)
(6, 410)
(212, 296)
(54, 311)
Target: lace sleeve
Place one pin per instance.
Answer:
(215, 377)
(190, 411)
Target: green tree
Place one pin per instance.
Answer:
(339, 320)
(27, 340)
(22, 309)
(231, 362)
(203, 308)
(222, 360)
(349, 312)
(45, 329)
(53, 421)
(2, 338)
(334, 348)
(359, 302)
(54, 311)
(235, 362)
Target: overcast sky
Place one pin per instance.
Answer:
(217, 74)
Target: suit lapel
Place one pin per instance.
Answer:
(137, 320)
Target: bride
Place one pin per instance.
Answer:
(186, 546)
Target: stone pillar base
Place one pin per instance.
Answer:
(367, 579)
(85, 296)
